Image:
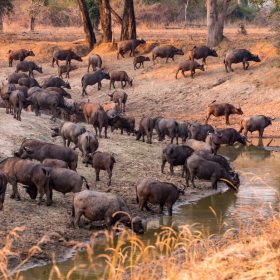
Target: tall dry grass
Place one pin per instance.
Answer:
(251, 252)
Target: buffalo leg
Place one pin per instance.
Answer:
(105, 132)
(187, 176)
(41, 195)
(15, 194)
(53, 60)
(171, 169)
(163, 165)
(261, 133)
(77, 219)
(169, 207)
(100, 131)
(109, 171)
(204, 60)
(226, 66)
(230, 67)
(214, 183)
(183, 72)
(97, 171)
(227, 118)
(160, 208)
(207, 118)
(176, 76)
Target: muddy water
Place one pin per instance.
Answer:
(258, 195)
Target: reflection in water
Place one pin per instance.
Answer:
(258, 193)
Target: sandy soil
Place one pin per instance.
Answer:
(155, 92)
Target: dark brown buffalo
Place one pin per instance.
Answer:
(66, 55)
(124, 123)
(88, 143)
(183, 132)
(19, 55)
(62, 180)
(28, 66)
(18, 101)
(146, 127)
(28, 82)
(199, 131)
(175, 155)
(69, 132)
(140, 60)
(156, 192)
(46, 99)
(3, 187)
(120, 76)
(91, 79)
(27, 173)
(119, 97)
(108, 207)
(34, 149)
(222, 109)
(55, 82)
(167, 127)
(14, 77)
(189, 65)
(129, 45)
(66, 69)
(255, 123)
(5, 92)
(166, 52)
(101, 161)
(48, 162)
(100, 120)
(230, 135)
(94, 61)
(238, 56)
(202, 52)
(198, 167)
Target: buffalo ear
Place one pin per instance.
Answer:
(28, 150)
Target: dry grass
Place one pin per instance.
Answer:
(252, 252)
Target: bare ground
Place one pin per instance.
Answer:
(155, 92)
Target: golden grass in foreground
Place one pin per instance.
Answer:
(251, 253)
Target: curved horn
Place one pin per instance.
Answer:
(230, 183)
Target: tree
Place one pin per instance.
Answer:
(105, 19)
(216, 21)
(128, 21)
(6, 7)
(90, 36)
(34, 10)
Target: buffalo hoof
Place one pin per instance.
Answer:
(49, 203)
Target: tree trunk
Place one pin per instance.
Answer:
(105, 19)
(32, 23)
(90, 36)
(215, 22)
(1, 23)
(128, 21)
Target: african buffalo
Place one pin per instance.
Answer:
(98, 206)
(156, 192)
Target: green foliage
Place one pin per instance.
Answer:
(242, 12)
(93, 8)
(6, 6)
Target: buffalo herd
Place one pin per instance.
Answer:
(43, 167)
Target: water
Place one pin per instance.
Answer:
(258, 195)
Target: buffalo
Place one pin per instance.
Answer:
(156, 192)
(98, 206)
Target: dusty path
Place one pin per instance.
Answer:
(155, 92)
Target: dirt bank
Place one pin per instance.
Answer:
(155, 92)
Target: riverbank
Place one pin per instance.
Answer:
(155, 92)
